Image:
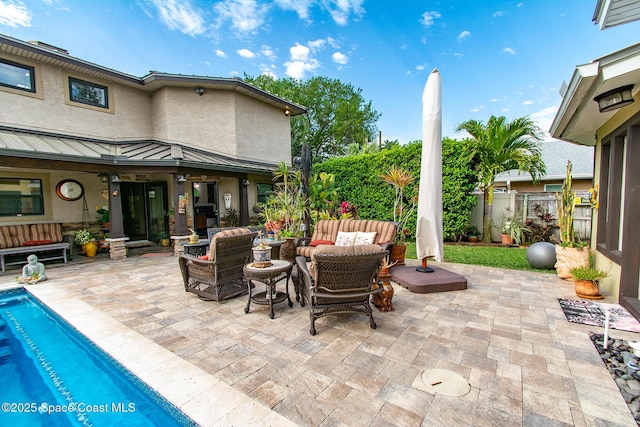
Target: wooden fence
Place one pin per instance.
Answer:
(508, 203)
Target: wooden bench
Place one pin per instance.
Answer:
(63, 247)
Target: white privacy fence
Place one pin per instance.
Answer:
(524, 204)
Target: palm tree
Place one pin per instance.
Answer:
(500, 146)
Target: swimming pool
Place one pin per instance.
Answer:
(52, 375)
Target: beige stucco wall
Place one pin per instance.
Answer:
(263, 131)
(49, 110)
(610, 285)
(181, 116)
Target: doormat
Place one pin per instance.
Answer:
(156, 254)
(594, 314)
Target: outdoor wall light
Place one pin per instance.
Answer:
(181, 178)
(614, 99)
(286, 111)
(115, 179)
(200, 90)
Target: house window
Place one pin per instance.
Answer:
(88, 93)
(21, 197)
(17, 76)
(553, 188)
(263, 192)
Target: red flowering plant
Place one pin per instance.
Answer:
(348, 210)
(273, 227)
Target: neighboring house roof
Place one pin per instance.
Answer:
(555, 155)
(153, 81)
(578, 117)
(18, 143)
(609, 13)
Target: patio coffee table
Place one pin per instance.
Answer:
(270, 276)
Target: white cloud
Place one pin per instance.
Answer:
(340, 10)
(246, 53)
(498, 13)
(299, 52)
(245, 15)
(463, 35)
(180, 16)
(300, 61)
(14, 15)
(301, 7)
(419, 67)
(476, 109)
(268, 53)
(509, 51)
(220, 53)
(340, 58)
(458, 55)
(544, 119)
(316, 44)
(429, 17)
(528, 102)
(268, 70)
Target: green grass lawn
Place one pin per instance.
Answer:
(490, 256)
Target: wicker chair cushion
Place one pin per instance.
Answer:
(229, 232)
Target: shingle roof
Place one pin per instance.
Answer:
(555, 154)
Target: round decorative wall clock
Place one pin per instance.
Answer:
(70, 190)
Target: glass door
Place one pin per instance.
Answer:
(156, 208)
(143, 208)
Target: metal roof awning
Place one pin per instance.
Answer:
(15, 143)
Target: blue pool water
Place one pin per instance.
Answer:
(51, 375)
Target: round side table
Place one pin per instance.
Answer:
(270, 276)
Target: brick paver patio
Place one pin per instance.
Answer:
(506, 335)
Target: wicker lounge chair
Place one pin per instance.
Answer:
(220, 277)
(339, 280)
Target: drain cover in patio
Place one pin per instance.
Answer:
(445, 382)
(440, 280)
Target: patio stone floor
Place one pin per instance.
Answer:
(506, 335)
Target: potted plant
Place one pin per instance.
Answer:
(586, 281)
(103, 217)
(164, 239)
(261, 252)
(400, 178)
(87, 240)
(569, 253)
(230, 218)
(472, 233)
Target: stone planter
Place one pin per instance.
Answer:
(587, 289)
(568, 258)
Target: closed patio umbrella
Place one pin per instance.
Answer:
(429, 241)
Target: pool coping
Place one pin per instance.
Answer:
(201, 396)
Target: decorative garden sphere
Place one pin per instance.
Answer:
(542, 255)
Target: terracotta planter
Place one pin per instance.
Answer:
(506, 239)
(397, 254)
(568, 258)
(587, 289)
(473, 239)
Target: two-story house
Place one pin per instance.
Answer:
(164, 148)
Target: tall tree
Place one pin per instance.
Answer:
(499, 146)
(338, 114)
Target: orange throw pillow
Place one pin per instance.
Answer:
(204, 257)
(321, 242)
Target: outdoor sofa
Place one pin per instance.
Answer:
(326, 232)
(32, 239)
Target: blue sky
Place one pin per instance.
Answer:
(495, 57)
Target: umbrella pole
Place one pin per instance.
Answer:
(424, 268)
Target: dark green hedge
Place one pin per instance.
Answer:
(358, 181)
